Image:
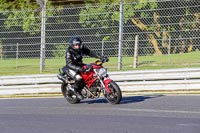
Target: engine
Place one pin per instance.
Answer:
(92, 92)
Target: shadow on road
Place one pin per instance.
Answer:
(125, 100)
(135, 99)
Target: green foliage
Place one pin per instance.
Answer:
(106, 38)
(107, 14)
(141, 4)
(90, 14)
(24, 13)
(3, 5)
(110, 11)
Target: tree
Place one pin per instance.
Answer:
(26, 13)
(147, 19)
(21, 19)
(179, 23)
(129, 12)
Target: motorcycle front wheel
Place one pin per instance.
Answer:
(69, 94)
(115, 96)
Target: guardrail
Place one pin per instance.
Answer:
(140, 80)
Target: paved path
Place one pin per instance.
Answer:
(135, 114)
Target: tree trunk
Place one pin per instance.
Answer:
(190, 46)
(151, 37)
(156, 17)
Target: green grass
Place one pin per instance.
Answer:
(31, 66)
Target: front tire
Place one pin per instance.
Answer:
(69, 94)
(116, 95)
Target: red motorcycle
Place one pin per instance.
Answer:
(96, 80)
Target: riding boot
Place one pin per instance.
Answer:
(79, 95)
(77, 89)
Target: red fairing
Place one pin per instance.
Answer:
(106, 82)
(88, 78)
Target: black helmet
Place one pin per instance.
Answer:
(75, 40)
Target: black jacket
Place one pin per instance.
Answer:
(74, 58)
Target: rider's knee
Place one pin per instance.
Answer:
(78, 77)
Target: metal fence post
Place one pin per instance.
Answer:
(1, 50)
(102, 47)
(43, 23)
(135, 58)
(169, 49)
(120, 34)
(17, 55)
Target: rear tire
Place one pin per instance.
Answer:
(69, 95)
(116, 95)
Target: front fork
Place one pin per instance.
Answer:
(105, 83)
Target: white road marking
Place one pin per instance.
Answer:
(159, 111)
(189, 124)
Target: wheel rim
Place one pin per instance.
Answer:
(113, 95)
(70, 95)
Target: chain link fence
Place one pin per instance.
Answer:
(168, 35)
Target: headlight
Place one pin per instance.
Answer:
(102, 72)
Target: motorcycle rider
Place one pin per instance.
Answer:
(74, 64)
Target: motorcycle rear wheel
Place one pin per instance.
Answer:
(115, 96)
(69, 94)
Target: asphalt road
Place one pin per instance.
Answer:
(135, 114)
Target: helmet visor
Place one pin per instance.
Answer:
(77, 43)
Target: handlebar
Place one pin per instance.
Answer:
(104, 59)
(88, 67)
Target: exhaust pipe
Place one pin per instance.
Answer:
(61, 78)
